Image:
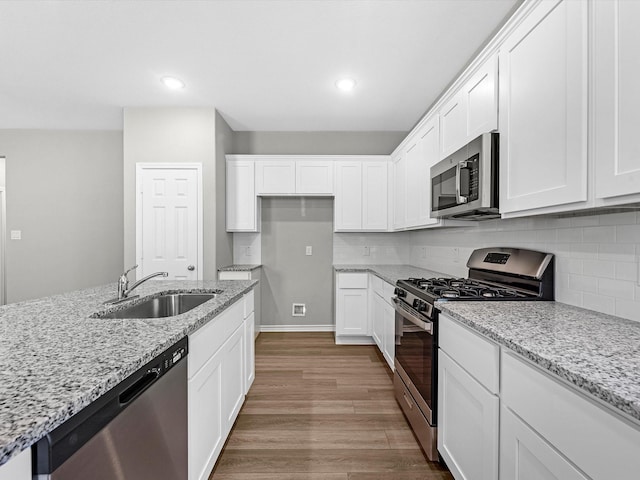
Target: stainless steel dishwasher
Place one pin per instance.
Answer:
(136, 431)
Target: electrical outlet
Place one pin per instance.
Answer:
(247, 251)
(366, 251)
(16, 234)
(309, 250)
(423, 252)
(455, 254)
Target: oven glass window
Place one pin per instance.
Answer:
(415, 351)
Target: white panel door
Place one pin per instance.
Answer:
(233, 360)
(275, 177)
(169, 225)
(617, 97)
(543, 108)
(348, 201)
(413, 183)
(453, 124)
(481, 92)
(351, 312)
(375, 198)
(467, 423)
(524, 455)
(377, 319)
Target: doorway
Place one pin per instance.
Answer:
(169, 219)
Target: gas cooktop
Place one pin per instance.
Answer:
(464, 289)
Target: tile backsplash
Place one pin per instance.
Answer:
(597, 256)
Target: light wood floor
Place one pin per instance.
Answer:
(318, 411)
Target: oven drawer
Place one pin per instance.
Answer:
(478, 356)
(425, 433)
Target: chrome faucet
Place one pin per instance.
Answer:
(123, 282)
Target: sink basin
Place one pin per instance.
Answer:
(162, 306)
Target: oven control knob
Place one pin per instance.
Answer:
(422, 307)
(399, 292)
(416, 304)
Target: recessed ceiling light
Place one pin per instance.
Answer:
(346, 84)
(172, 83)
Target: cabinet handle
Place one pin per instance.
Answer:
(191, 268)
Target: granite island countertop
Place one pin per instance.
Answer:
(598, 353)
(55, 359)
(390, 273)
(240, 267)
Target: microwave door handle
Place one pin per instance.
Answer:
(460, 198)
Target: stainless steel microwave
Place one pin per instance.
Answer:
(464, 186)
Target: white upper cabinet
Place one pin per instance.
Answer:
(543, 108)
(361, 195)
(399, 190)
(292, 176)
(616, 99)
(274, 177)
(472, 110)
(314, 177)
(428, 144)
(242, 205)
(348, 203)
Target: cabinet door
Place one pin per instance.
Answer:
(453, 124)
(377, 320)
(524, 455)
(428, 144)
(18, 468)
(348, 201)
(351, 312)
(375, 179)
(414, 182)
(314, 177)
(206, 424)
(616, 98)
(467, 423)
(241, 197)
(543, 108)
(389, 333)
(481, 92)
(233, 378)
(249, 352)
(399, 192)
(275, 177)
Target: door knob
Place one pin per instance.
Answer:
(191, 268)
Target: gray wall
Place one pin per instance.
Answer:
(224, 145)
(64, 191)
(171, 135)
(317, 143)
(288, 275)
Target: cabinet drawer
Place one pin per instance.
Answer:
(478, 356)
(353, 280)
(376, 284)
(206, 341)
(601, 444)
(234, 275)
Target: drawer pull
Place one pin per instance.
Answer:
(409, 402)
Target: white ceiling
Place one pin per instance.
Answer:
(266, 65)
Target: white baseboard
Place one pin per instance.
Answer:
(297, 328)
(355, 340)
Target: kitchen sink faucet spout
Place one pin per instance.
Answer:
(123, 282)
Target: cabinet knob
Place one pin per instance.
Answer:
(191, 268)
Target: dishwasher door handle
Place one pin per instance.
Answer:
(139, 386)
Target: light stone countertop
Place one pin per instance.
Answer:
(390, 273)
(55, 360)
(246, 267)
(598, 353)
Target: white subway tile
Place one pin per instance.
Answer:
(616, 288)
(624, 218)
(582, 283)
(599, 303)
(628, 309)
(587, 251)
(569, 235)
(569, 297)
(628, 234)
(569, 265)
(599, 234)
(620, 252)
(626, 271)
(599, 268)
(585, 221)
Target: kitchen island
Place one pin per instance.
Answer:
(55, 359)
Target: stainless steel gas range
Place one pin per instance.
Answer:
(495, 274)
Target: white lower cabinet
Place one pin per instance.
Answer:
(218, 366)
(388, 333)
(18, 468)
(525, 455)
(467, 423)
(352, 317)
(377, 320)
(249, 352)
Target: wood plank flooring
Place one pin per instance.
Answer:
(319, 411)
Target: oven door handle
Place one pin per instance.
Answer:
(404, 313)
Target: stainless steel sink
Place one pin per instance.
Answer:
(160, 307)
